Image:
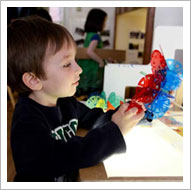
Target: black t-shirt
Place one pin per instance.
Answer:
(44, 143)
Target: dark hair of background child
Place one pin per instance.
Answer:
(95, 20)
(15, 12)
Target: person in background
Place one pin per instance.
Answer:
(18, 12)
(41, 66)
(44, 14)
(92, 76)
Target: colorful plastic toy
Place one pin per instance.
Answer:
(100, 101)
(153, 89)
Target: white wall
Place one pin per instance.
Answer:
(168, 16)
(169, 38)
(168, 30)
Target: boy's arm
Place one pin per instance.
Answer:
(87, 151)
(36, 152)
(91, 118)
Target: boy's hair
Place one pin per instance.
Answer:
(29, 40)
(95, 20)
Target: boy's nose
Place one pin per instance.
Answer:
(78, 69)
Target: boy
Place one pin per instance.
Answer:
(42, 68)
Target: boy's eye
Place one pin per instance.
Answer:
(67, 65)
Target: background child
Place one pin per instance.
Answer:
(45, 147)
(91, 79)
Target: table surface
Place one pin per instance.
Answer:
(97, 173)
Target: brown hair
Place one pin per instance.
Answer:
(28, 41)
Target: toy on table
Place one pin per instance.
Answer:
(100, 101)
(153, 89)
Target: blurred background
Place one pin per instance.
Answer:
(127, 28)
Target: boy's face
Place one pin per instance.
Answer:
(62, 74)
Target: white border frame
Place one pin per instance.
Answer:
(101, 185)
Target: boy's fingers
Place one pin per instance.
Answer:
(132, 111)
(138, 116)
(142, 105)
(124, 107)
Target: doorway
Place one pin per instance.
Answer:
(134, 32)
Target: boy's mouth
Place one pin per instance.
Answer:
(76, 83)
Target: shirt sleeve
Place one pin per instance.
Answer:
(36, 152)
(95, 37)
(91, 118)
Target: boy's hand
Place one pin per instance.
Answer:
(126, 120)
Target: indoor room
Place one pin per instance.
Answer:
(135, 56)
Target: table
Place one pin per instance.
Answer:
(98, 174)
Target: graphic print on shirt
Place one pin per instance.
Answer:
(65, 132)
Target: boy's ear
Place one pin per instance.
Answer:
(32, 81)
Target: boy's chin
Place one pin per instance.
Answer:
(72, 94)
(69, 94)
